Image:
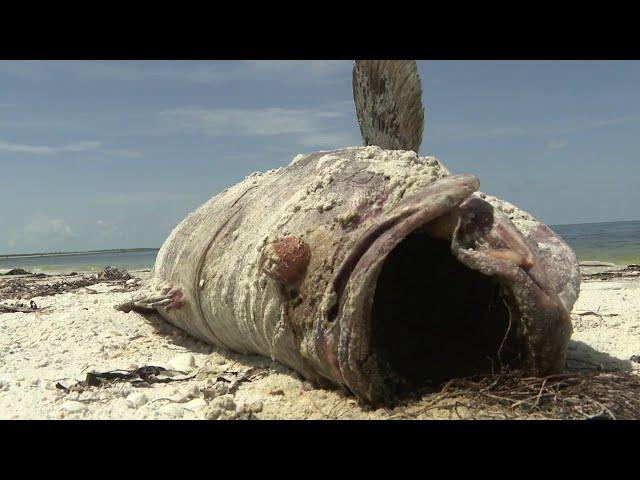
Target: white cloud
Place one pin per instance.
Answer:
(298, 72)
(35, 124)
(48, 150)
(74, 147)
(330, 140)
(289, 72)
(462, 132)
(557, 144)
(456, 132)
(110, 230)
(235, 121)
(112, 70)
(311, 126)
(41, 231)
(123, 153)
(47, 227)
(134, 71)
(128, 198)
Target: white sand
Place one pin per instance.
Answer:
(75, 333)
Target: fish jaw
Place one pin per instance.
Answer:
(352, 290)
(541, 286)
(482, 239)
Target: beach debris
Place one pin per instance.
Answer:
(635, 358)
(17, 307)
(229, 381)
(18, 271)
(28, 288)
(631, 270)
(12, 309)
(510, 395)
(312, 264)
(142, 375)
(235, 379)
(183, 363)
(139, 377)
(111, 273)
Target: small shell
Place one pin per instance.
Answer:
(286, 260)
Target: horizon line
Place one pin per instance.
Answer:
(75, 252)
(130, 249)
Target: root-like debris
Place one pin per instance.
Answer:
(510, 396)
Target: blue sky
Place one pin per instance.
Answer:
(114, 154)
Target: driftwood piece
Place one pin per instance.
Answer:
(16, 308)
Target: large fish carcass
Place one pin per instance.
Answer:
(371, 267)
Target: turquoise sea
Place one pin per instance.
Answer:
(138, 259)
(616, 242)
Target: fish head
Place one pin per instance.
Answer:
(446, 285)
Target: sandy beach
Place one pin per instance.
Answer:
(45, 356)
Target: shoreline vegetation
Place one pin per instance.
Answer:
(67, 254)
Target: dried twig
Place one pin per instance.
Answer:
(509, 395)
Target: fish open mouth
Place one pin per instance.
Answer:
(443, 287)
(433, 318)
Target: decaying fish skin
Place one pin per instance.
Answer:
(286, 264)
(371, 268)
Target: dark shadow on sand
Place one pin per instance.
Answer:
(186, 342)
(582, 357)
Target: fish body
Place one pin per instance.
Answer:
(286, 264)
(372, 268)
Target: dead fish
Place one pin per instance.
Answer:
(370, 267)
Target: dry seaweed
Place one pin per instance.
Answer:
(28, 288)
(139, 377)
(632, 270)
(510, 396)
(18, 271)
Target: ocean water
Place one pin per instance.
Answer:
(616, 242)
(81, 262)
